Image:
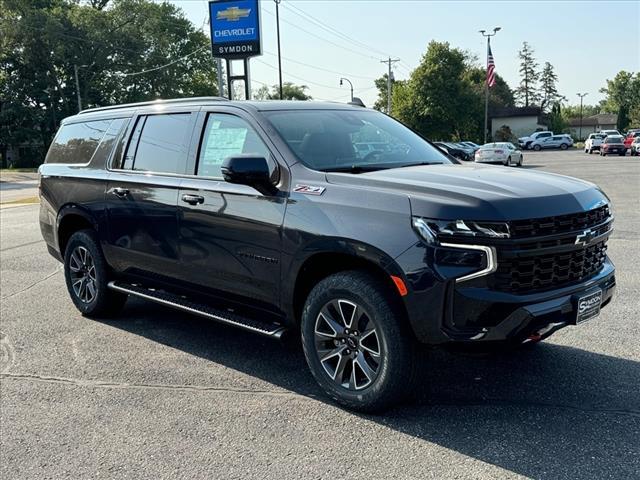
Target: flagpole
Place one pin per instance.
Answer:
(486, 80)
(486, 95)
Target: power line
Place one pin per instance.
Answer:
(321, 68)
(324, 39)
(299, 78)
(301, 13)
(162, 66)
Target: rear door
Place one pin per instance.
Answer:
(142, 194)
(230, 235)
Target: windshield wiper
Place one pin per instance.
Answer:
(417, 164)
(356, 168)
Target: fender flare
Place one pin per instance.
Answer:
(332, 246)
(76, 210)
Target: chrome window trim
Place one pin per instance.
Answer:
(490, 252)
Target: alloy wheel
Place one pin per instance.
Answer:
(347, 344)
(82, 270)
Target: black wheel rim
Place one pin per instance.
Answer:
(348, 345)
(82, 270)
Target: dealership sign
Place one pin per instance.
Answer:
(235, 28)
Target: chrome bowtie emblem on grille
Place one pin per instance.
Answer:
(585, 237)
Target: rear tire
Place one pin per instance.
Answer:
(563, 146)
(86, 274)
(350, 319)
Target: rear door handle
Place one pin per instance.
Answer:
(119, 191)
(192, 199)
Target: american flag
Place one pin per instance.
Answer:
(491, 68)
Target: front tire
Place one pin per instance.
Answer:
(87, 274)
(356, 341)
(537, 148)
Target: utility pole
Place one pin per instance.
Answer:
(389, 62)
(486, 81)
(277, 2)
(75, 72)
(347, 80)
(581, 95)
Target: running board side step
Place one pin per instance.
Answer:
(181, 303)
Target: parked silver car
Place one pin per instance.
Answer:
(499, 152)
(557, 141)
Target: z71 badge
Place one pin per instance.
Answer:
(309, 189)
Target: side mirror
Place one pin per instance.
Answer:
(248, 170)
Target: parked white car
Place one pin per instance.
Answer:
(562, 142)
(593, 142)
(499, 152)
(610, 132)
(525, 142)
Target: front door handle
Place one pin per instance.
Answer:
(119, 191)
(192, 199)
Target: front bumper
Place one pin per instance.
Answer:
(442, 311)
(481, 315)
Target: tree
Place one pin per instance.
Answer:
(527, 93)
(573, 111)
(557, 123)
(623, 98)
(381, 84)
(444, 96)
(500, 96)
(435, 100)
(125, 51)
(290, 91)
(504, 134)
(548, 87)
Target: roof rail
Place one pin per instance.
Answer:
(155, 102)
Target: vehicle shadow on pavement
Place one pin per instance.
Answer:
(549, 411)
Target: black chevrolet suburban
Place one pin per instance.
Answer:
(331, 220)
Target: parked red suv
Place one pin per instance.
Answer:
(631, 134)
(613, 144)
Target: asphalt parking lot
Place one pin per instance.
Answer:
(159, 394)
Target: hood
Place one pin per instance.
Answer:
(480, 192)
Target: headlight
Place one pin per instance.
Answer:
(433, 230)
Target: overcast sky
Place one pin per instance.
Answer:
(586, 42)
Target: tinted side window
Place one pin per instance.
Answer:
(77, 142)
(162, 145)
(108, 140)
(227, 135)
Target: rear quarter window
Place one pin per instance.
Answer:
(76, 143)
(159, 144)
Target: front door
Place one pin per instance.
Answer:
(230, 235)
(142, 195)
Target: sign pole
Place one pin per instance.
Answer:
(220, 80)
(247, 80)
(229, 79)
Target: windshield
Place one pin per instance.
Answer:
(348, 140)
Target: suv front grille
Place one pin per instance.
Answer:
(548, 271)
(542, 253)
(559, 224)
